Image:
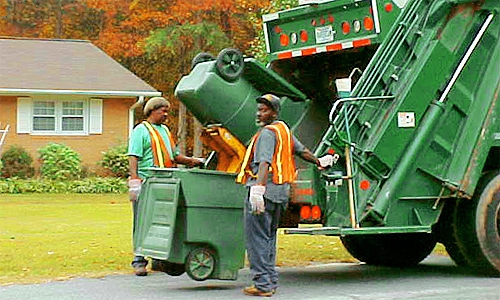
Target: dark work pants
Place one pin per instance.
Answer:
(260, 231)
(138, 260)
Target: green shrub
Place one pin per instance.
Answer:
(97, 185)
(17, 162)
(115, 160)
(59, 162)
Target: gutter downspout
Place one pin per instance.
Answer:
(140, 101)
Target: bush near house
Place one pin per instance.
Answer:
(59, 162)
(16, 162)
(61, 172)
(97, 185)
(115, 160)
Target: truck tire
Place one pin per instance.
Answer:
(478, 223)
(446, 231)
(393, 250)
(230, 64)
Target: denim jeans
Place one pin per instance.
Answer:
(138, 260)
(260, 232)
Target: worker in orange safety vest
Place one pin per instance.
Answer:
(267, 170)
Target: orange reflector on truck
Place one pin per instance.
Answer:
(305, 212)
(316, 212)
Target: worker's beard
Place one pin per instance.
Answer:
(260, 123)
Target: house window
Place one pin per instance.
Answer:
(59, 116)
(46, 115)
(72, 116)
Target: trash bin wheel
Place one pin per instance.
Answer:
(172, 269)
(201, 57)
(229, 64)
(200, 263)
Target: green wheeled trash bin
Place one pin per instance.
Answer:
(191, 220)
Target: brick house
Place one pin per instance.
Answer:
(69, 92)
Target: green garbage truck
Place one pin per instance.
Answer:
(416, 135)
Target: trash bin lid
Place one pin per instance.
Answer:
(268, 81)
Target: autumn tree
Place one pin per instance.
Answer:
(258, 44)
(155, 39)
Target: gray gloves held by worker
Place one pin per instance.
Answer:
(257, 198)
(134, 189)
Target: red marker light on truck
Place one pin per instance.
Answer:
(346, 27)
(303, 36)
(364, 185)
(388, 7)
(284, 40)
(368, 23)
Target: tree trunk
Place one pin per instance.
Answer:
(58, 27)
(181, 133)
(198, 146)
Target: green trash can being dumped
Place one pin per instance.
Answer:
(191, 220)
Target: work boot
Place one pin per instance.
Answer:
(140, 270)
(253, 291)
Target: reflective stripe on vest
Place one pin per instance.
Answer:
(283, 164)
(161, 156)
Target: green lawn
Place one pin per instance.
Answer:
(56, 237)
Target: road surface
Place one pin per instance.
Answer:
(436, 278)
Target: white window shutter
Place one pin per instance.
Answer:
(95, 120)
(24, 119)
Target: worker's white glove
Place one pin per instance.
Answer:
(199, 160)
(257, 198)
(134, 189)
(195, 161)
(326, 161)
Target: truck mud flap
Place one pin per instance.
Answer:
(154, 233)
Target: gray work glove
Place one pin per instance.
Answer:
(134, 189)
(327, 161)
(257, 198)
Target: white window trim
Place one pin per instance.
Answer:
(92, 115)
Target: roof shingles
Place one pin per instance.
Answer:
(70, 65)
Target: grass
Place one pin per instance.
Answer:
(54, 237)
(46, 237)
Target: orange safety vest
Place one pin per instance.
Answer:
(161, 156)
(283, 165)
